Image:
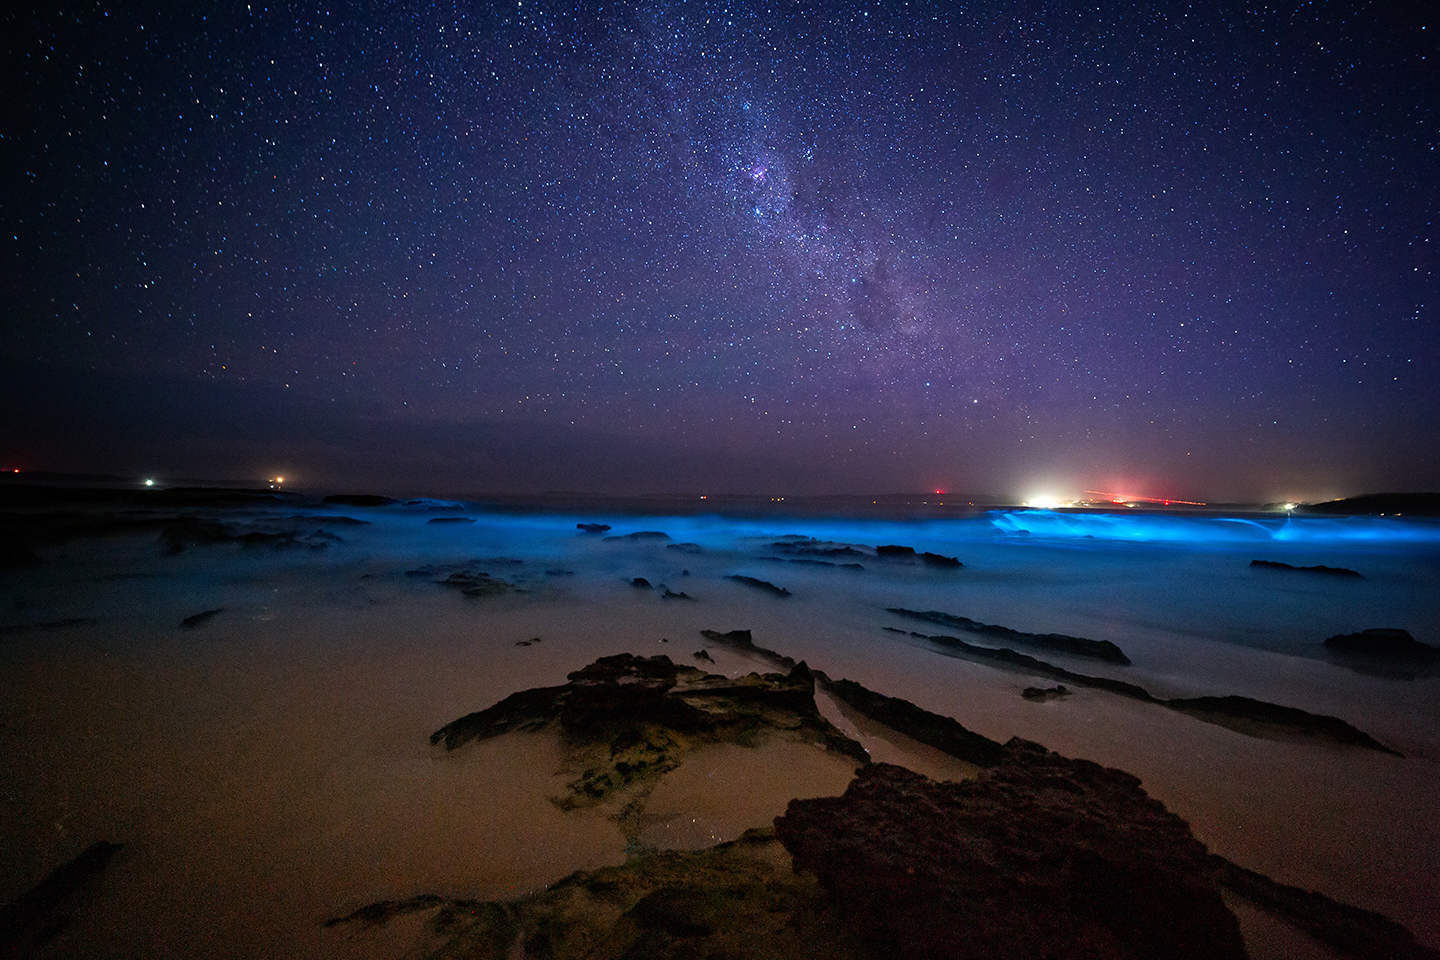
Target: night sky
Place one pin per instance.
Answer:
(734, 247)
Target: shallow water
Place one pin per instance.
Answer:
(271, 767)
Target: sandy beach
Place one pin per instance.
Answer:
(269, 766)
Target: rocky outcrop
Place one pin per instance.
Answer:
(1384, 643)
(1040, 856)
(626, 720)
(742, 641)
(592, 527)
(1277, 566)
(941, 732)
(735, 900)
(1241, 714)
(758, 584)
(196, 619)
(36, 916)
(640, 535)
(1076, 646)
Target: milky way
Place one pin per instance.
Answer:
(834, 247)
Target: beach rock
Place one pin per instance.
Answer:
(640, 583)
(592, 527)
(807, 547)
(1042, 694)
(1076, 646)
(1040, 856)
(936, 560)
(941, 732)
(893, 551)
(196, 619)
(641, 535)
(736, 900)
(1322, 570)
(742, 641)
(1384, 643)
(1255, 718)
(668, 594)
(627, 720)
(34, 918)
(477, 584)
(758, 584)
(704, 655)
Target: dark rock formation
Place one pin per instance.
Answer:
(691, 548)
(669, 594)
(1323, 570)
(941, 732)
(704, 655)
(476, 584)
(936, 560)
(734, 900)
(641, 535)
(1250, 716)
(758, 584)
(627, 720)
(1076, 646)
(1041, 856)
(823, 549)
(451, 520)
(640, 583)
(1384, 644)
(36, 916)
(196, 619)
(1350, 930)
(1241, 714)
(527, 643)
(742, 641)
(181, 533)
(592, 527)
(1041, 694)
(893, 551)
(360, 500)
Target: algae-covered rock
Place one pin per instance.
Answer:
(738, 899)
(627, 720)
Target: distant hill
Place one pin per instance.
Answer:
(1408, 504)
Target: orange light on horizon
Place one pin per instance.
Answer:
(1163, 501)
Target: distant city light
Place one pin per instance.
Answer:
(149, 483)
(1043, 503)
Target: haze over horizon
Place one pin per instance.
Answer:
(728, 247)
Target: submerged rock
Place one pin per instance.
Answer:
(592, 527)
(626, 720)
(641, 535)
(1040, 856)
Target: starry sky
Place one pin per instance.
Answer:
(737, 247)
